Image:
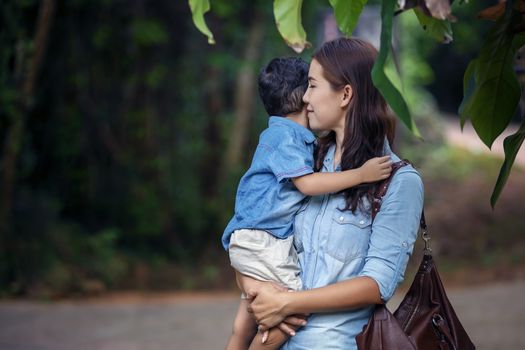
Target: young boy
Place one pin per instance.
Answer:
(259, 236)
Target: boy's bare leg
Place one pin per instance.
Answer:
(244, 328)
(245, 335)
(247, 284)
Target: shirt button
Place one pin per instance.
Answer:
(362, 222)
(341, 218)
(405, 244)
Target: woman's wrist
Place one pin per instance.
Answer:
(288, 303)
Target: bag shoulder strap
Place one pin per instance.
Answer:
(381, 192)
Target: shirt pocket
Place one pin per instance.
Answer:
(349, 235)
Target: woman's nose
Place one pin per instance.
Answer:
(305, 96)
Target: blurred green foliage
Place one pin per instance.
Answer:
(114, 169)
(119, 159)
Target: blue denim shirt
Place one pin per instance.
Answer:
(336, 245)
(266, 197)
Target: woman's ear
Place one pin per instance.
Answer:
(348, 93)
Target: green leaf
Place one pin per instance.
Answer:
(287, 15)
(436, 28)
(347, 13)
(511, 146)
(198, 9)
(492, 102)
(379, 77)
(469, 85)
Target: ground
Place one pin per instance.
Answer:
(492, 315)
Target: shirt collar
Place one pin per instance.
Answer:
(307, 134)
(386, 147)
(329, 159)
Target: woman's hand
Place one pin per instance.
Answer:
(268, 306)
(292, 323)
(288, 326)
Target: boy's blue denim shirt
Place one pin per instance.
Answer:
(266, 197)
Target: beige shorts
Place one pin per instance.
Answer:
(260, 255)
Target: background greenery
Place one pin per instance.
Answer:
(125, 134)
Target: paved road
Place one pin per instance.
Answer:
(493, 315)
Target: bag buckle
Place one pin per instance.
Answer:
(426, 238)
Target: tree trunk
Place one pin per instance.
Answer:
(244, 97)
(15, 132)
(212, 134)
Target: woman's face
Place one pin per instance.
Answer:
(325, 107)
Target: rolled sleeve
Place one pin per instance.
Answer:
(394, 232)
(291, 158)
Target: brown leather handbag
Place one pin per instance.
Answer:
(425, 319)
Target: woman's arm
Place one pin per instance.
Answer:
(316, 184)
(271, 306)
(394, 232)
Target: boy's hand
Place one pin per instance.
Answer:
(376, 169)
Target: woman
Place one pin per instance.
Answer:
(348, 263)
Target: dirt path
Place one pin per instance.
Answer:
(491, 314)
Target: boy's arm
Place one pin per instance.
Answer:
(321, 183)
(315, 184)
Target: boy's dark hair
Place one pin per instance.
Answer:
(282, 84)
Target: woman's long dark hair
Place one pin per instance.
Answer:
(369, 120)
